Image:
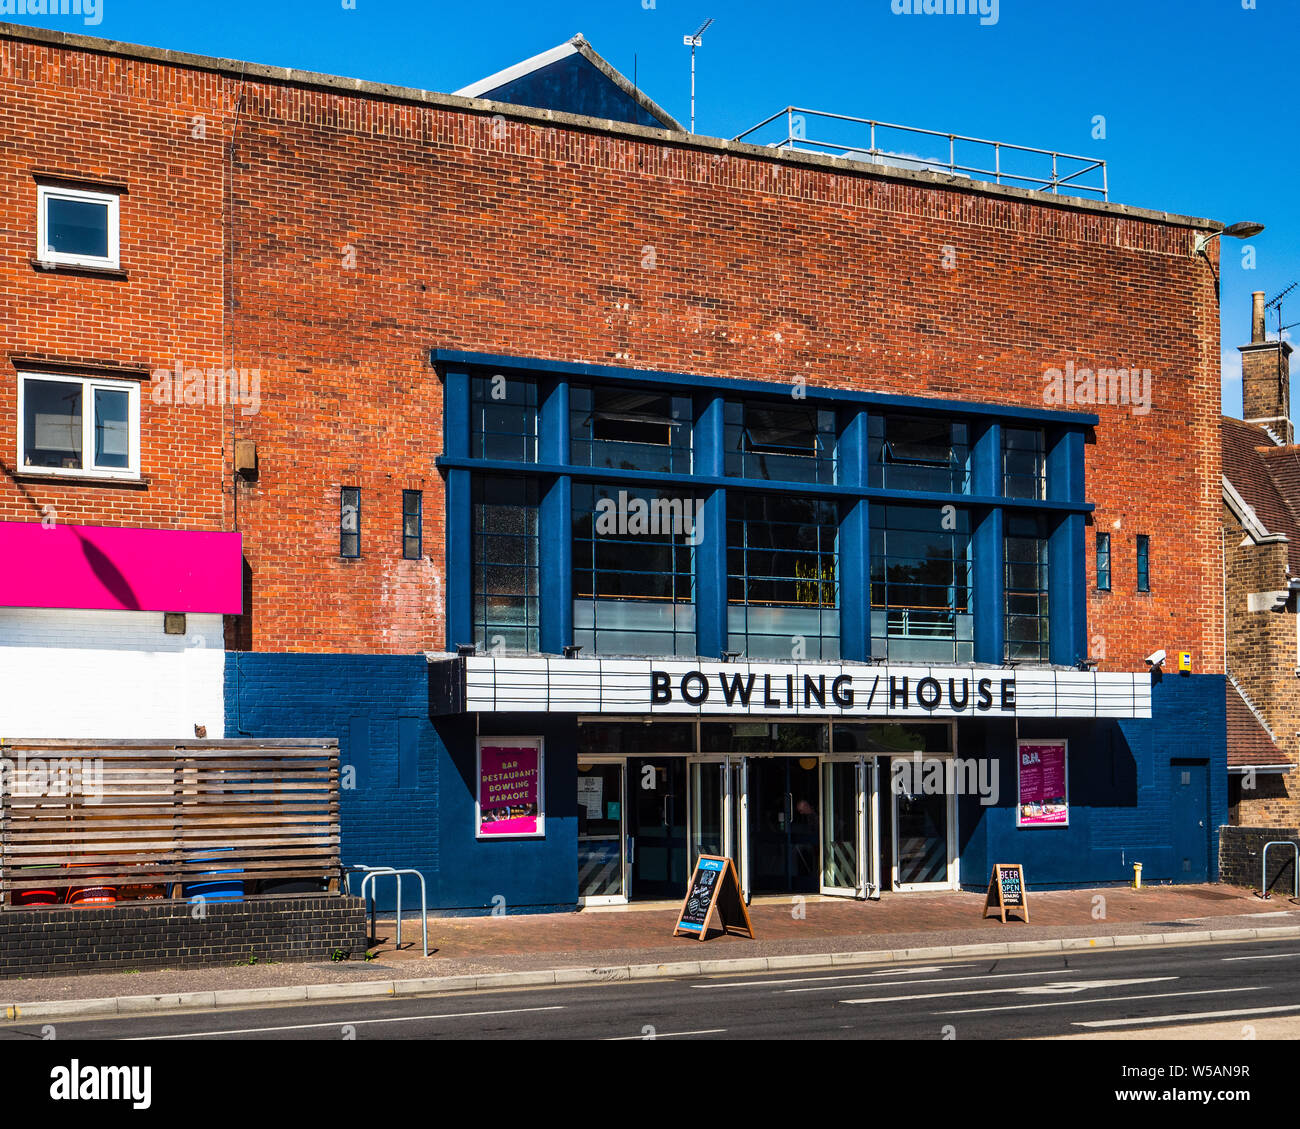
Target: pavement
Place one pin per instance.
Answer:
(636, 943)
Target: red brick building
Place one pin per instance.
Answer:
(361, 257)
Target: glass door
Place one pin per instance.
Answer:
(738, 819)
(709, 808)
(844, 828)
(784, 828)
(923, 849)
(657, 816)
(602, 877)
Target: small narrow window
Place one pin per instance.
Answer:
(1103, 562)
(412, 524)
(1144, 562)
(75, 227)
(350, 521)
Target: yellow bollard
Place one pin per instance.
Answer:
(1137, 876)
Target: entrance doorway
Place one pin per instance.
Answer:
(784, 825)
(657, 815)
(924, 854)
(1190, 796)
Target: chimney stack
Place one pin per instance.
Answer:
(1266, 378)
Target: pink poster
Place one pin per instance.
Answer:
(509, 786)
(1043, 796)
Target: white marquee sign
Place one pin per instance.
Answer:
(663, 687)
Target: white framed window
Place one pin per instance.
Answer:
(78, 425)
(76, 227)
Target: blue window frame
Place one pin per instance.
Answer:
(503, 412)
(1024, 462)
(783, 577)
(349, 521)
(1025, 588)
(1103, 562)
(929, 453)
(634, 570)
(412, 524)
(780, 442)
(630, 429)
(921, 576)
(505, 555)
(1144, 562)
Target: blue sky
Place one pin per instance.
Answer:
(1196, 93)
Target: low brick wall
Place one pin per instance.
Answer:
(60, 939)
(1241, 850)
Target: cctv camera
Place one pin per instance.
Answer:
(1156, 659)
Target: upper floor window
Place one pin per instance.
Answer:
(921, 579)
(350, 521)
(919, 453)
(1024, 462)
(77, 227)
(1144, 562)
(780, 442)
(504, 419)
(79, 425)
(412, 524)
(626, 429)
(1026, 588)
(507, 598)
(1103, 562)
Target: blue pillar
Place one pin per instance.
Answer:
(1067, 602)
(988, 548)
(553, 421)
(459, 586)
(711, 553)
(555, 548)
(855, 541)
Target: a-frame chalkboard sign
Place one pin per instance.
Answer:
(713, 900)
(1007, 893)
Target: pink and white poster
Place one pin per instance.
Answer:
(510, 787)
(1044, 800)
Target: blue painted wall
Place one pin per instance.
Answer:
(1119, 785)
(413, 800)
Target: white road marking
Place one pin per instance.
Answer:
(1072, 986)
(341, 1023)
(942, 980)
(1186, 1017)
(817, 979)
(664, 1035)
(1107, 1000)
(1271, 956)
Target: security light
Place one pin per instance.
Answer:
(1242, 230)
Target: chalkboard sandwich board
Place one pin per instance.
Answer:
(1007, 892)
(713, 900)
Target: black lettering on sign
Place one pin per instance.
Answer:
(660, 691)
(698, 697)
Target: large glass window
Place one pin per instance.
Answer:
(780, 442)
(782, 577)
(1026, 588)
(918, 453)
(634, 570)
(503, 411)
(921, 584)
(78, 425)
(626, 429)
(506, 601)
(1024, 462)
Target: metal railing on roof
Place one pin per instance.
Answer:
(1020, 166)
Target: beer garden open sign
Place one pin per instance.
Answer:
(713, 899)
(1007, 893)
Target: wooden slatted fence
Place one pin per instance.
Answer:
(153, 815)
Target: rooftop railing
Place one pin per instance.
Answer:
(900, 146)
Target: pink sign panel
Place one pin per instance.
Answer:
(1043, 798)
(93, 566)
(509, 785)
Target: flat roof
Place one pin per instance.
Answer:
(239, 69)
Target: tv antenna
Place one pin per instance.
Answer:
(1276, 303)
(693, 41)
